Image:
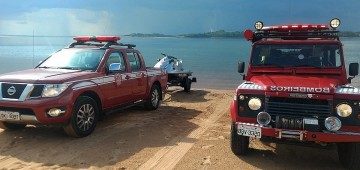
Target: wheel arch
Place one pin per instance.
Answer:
(94, 96)
(159, 85)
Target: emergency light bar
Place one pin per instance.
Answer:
(97, 38)
(101, 41)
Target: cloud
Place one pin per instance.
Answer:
(59, 22)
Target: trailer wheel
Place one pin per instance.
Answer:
(239, 144)
(187, 84)
(83, 118)
(349, 155)
(11, 126)
(154, 100)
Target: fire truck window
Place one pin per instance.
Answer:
(297, 55)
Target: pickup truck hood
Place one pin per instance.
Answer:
(42, 76)
(296, 84)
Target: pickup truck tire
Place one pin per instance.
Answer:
(11, 126)
(187, 84)
(154, 99)
(239, 144)
(83, 118)
(349, 155)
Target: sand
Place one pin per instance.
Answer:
(188, 131)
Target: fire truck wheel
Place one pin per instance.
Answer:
(239, 144)
(187, 85)
(83, 118)
(349, 155)
(11, 126)
(154, 100)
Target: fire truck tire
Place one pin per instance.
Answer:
(349, 155)
(11, 126)
(83, 119)
(154, 100)
(187, 84)
(239, 144)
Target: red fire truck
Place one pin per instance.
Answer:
(297, 90)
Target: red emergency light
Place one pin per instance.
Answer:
(97, 38)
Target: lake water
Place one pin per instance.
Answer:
(213, 61)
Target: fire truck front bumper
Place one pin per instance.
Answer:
(258, 131)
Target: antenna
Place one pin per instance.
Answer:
(33, 50)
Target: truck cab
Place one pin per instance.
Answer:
(297, 90)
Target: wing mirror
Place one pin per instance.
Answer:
(353, 71)
(241, 67)
(115, 67)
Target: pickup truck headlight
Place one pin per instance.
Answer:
(254, 103)
(52, 90)
(344, 110)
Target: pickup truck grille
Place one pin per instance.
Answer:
(289, 112)
(15, 91)
(12, 91)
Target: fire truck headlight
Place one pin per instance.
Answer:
(343, 110)
(332, 123)
(254, 103)
(334, 23)
(258, 25)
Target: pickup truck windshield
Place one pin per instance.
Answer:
(77, 59)
(297, 55)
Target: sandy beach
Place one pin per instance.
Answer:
(189, 131)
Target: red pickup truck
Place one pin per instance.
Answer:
(76, 85)
(297, 91)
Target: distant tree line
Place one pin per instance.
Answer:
(223, 34)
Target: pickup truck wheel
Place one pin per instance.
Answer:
(239, 144)
(11, 126)
(349, 155)
(154, 100)
(187, 85)
(83, 118)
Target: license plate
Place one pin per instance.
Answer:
(311, 121)
(8, 115)
(251, 131)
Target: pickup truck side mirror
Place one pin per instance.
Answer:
(353, 71)
(115, 67)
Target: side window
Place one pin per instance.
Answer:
(116, 58)
(134, 61)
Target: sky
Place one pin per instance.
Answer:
(171, 17)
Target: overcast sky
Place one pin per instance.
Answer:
(173, 17)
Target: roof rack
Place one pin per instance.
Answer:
(292, 34)
(294, 31)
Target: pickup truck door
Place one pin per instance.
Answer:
(138, 76)
(116, 90)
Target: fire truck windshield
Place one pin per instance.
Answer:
(297, 55)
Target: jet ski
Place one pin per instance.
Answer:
(177, 76)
